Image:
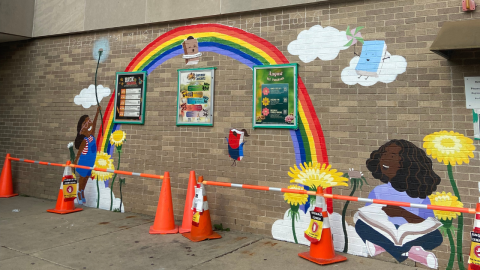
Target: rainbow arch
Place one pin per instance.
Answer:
(247, 48)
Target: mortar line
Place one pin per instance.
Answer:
(224, 254)
(27, 254)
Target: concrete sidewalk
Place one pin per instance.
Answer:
(99, 239)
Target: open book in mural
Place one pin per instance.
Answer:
(374, 217)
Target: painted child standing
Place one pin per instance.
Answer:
(87, 151)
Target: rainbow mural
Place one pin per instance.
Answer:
(247, 48)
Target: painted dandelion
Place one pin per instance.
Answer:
(451, 148)
(103, 161)
(313, 175)
(446, 217)
(117, 138)
(295, 200)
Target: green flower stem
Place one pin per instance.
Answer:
(461, 264)
(293, 228)
(98, 194)
(121, 196)
(113, 180)
(344, 212)
(111, 191)
(452, 250)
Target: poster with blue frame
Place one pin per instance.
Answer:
(275, 96)
(130, 93)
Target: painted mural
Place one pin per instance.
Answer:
(87, 99)
(94, 190)
(374, 64)
(406, 233)
(190, 51)
(406, 174)
(248, 49)
(103, 44)
(236, 142)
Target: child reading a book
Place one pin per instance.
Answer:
(404, 232)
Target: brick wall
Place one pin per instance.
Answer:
(40, 78)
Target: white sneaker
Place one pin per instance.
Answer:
(373, 250)
(418, 254)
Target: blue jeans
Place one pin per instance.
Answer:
(428, 241)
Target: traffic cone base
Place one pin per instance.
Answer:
(182, 230)
(8, 196)
(322, 252)
(337, 258)
(153, 231)
(61, 212)
(203, 231)
(164, 221)
(187, 211)
(63, 207)
(6, 185)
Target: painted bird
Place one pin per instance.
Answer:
(235, 144)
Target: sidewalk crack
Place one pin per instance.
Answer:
(224, 254)
(28, 254)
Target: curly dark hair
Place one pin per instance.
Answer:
(79, 138)
(415, 175)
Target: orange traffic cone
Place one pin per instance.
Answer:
(201, 223)
(64, 206)
(164, 220)
(474, 259)
(187, 211)
(6, 187)
(322, 252)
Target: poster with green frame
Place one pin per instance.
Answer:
(275, 96)
(195, 94)
(130, 93)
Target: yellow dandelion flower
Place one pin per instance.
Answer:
(103, 161)
(449, 147)
(295, 198)
(445, 199)
(315, 175)
(118, 137)
(265, 101)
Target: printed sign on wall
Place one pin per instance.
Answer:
(275, 96)
(472, 92)
(195, 96)
(130, 89)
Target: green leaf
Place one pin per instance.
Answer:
(443, 231)
(349, 43)
(358, 29)
(360, 39)
(348, 31)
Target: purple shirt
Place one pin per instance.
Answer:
(387, 192)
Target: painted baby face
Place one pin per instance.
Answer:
(191, 46)
(390, 160)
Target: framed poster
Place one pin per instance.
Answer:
(195, 96)
(275, 96)
(130, 93)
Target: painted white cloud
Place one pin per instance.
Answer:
(324, 43)
(387, 71)
(91, 196)
(86, 98)
(104, 44)
(282, 230)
